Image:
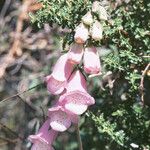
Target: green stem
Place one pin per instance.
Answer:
(79, 137)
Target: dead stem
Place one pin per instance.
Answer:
(16, 134)
(16, 48)
(19, 93)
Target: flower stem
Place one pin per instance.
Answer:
(79, 138)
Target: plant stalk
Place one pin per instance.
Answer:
(79, 137)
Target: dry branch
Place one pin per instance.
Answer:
(16, 48)
(142, 82)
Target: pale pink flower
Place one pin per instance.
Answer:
(57, 81)
(91, 61)
(76, 99)
(60, 119)
(81, 34)
(44, 138)
(75, 53)
(96, 31)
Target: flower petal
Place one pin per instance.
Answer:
(59, 119)
(76, 101)
(56, 82)
(55, 86)
(76, 82)
(76, 108)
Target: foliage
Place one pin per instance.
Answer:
(63, 13)
(123, 124)
(120, 124)
(127, 34)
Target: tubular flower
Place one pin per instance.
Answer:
(57, 81)
(96, 31)
(81, 34)
(44, 138)
(75, 54)
(76, 99)
(60, 119)
(93, 66)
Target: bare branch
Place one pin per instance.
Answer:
(8, 98)
(16, 134)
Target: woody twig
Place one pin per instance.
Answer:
(142, 82)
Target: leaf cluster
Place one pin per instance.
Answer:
(65, 13)
(123, 124)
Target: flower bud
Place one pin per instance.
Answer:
(100, 10)
(75, 53)
(93, 66)
(96, 31)
(95, 6)
(81, 34)
(87, 18)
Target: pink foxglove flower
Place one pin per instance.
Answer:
(60, 119)
(76, 99)
(44, 138)
(96, 31)
(93, 66)
(75, 54)
(56, 82)
(81, 34)
(87, 18)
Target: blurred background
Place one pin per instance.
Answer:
(26, 56)
(118, 121)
